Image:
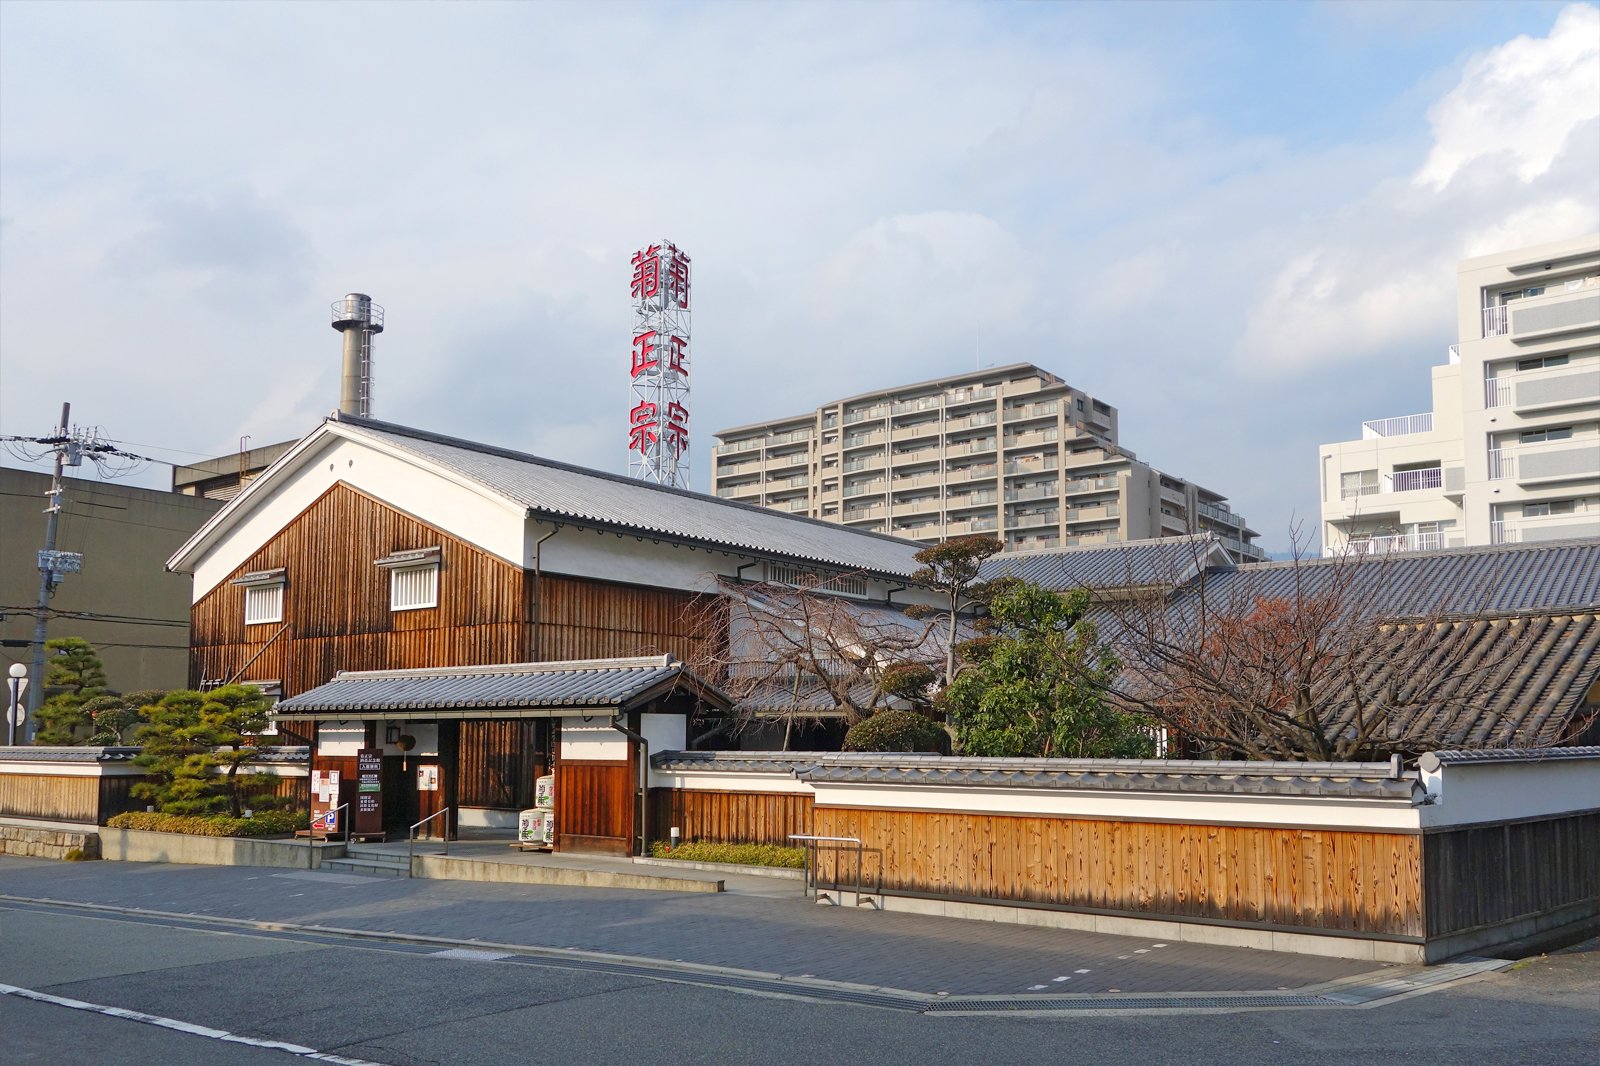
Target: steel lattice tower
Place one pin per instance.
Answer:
(658, 414)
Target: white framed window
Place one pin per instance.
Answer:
(413, 587)
(262, 604)
(263, 596)
(413, 578)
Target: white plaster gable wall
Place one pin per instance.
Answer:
(486, 521)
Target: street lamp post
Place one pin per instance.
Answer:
(16, 688)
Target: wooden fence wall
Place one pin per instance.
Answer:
(51, 798)
(729, 817)
(1483, 874)
(1313, 879)
(92, 800)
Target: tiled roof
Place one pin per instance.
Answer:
(609, 684)
(65, 753)
(1547, 576)
(1134, 564)
(560, 491)
(1352, 780)
(1499, 680)
(1432, 760)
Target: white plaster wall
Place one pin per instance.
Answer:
(592, 740)
(712, 782)
(341, 738)
(65, 769)
(1286, 811)
(1494, 792)
(492, 524)
(664, 732)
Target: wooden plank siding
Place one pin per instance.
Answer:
(337, 617)
(594, 806)
(1483, 874)
(500, 760)
(92, 800)
(1315, 879)
(729, 817)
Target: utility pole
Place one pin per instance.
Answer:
(47, 577)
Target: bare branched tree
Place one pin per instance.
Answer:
(1330, 661)
(799, 654)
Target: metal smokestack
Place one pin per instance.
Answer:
(359, 319)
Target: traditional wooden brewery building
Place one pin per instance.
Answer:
(471, 618)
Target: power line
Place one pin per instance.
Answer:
(97, 616)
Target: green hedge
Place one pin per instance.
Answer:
(741, 854)
(264, 824)
(896, 731)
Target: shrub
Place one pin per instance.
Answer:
(902, 731)
(74, 855)
(264, 824)
(740, 854)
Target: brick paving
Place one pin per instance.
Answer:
(776, 931)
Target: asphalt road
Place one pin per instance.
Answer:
(408, 1005)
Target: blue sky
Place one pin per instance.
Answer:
(1236, 223)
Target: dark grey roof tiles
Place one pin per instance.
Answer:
(63, 753)
(600, 683)
(1548, 576)
(1352, 780)
(1166, 561)
(1432, 760)
(559, 491)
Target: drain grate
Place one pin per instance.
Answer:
(1063, 1003)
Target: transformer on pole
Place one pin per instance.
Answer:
(658, 413)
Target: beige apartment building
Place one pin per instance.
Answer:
(1012, 451)
(1511, 450)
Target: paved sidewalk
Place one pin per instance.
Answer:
(778, 931)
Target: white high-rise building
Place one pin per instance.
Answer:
(1511, 450)
(1012, 451)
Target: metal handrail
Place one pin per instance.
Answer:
(311, 833)
(811, 865)
(411, 837)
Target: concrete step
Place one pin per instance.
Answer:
(363, 866)
(369, 855)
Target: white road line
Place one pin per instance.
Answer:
(1035, 988)
(1086, 971)
(182, 1027)
(1059, 979)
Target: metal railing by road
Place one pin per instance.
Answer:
(411, 839)
(311, 832)
(812, 843)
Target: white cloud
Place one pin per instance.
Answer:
(1518, 104)
(1514, 160)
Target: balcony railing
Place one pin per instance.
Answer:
(789, 438)
(972, 447)
(861, 440)
(1557, 460)
(1399, 426)
(1497, 392)
(1399, 542)
(1220, 514)
(1496, 322)
(1034, 492)
(1032, 410)
(870, 488)
(926, 403)
(969, 395)
(1414, 480)
(748, 444)
(971, 473)
(1545, 527)
(867, 414)
(971, 499)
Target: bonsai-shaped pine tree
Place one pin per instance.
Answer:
(76, 675)
(194, 746)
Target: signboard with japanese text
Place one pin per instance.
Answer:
(658, 413)
(369, 792)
